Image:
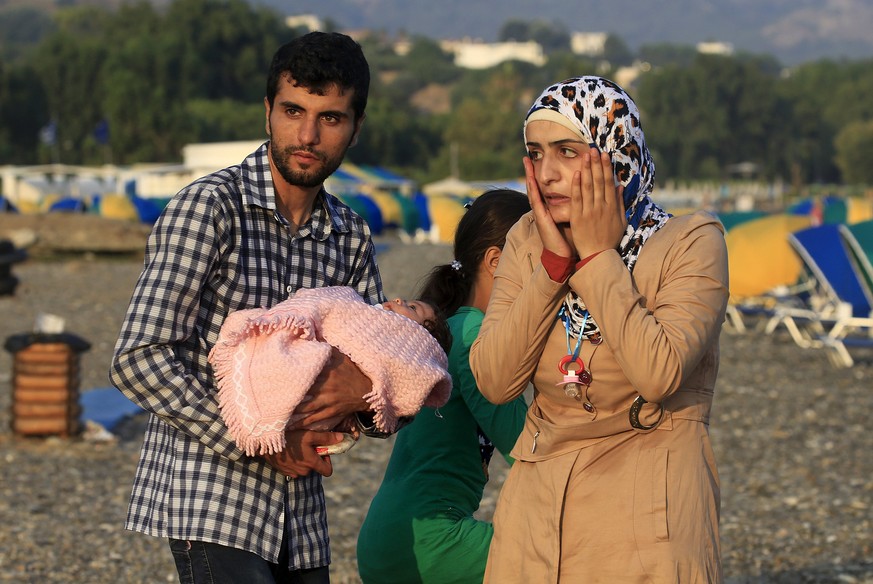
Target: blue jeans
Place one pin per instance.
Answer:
(209, 563)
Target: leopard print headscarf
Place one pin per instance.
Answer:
(607, 118)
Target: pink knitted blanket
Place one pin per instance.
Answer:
(265, 361)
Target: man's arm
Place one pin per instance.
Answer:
(156, 357)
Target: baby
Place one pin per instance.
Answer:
(265, 361)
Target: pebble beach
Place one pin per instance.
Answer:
(790, 432)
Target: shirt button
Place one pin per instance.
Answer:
(288, 289)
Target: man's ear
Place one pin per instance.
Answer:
(358, 123)
(492, 256)
(267, 116)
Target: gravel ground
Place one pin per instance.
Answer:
(789, 432)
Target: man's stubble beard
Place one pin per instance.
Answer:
(325, 166)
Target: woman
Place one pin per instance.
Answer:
(420, 525)
(612, 308)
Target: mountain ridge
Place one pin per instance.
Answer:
(793, 31)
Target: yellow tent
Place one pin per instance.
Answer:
(113, 206)
(858, 209)
(445, 212)
(389, 206)
(760, 257)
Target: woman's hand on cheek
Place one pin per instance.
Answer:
(597, 219)
(549, 232)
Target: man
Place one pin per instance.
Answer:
(248, 236)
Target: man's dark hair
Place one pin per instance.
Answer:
(318, 60)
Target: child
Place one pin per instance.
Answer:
(420, 526)
(265, 361)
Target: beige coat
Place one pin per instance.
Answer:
(590, 499)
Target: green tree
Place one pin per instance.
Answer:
(485, 132)
(69, 68)
(665, 54)
(550, 36)
(810, 90)
(616, 51)
(21, 30)
(23, 111)
(854, 151)
(720, 111)
(515, 30)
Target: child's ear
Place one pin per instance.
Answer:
(492, 256)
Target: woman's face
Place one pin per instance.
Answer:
(555, 153)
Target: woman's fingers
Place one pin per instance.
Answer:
(598, 177)
(597, 206)
(533, 190)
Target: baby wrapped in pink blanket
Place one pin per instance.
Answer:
(265, 361)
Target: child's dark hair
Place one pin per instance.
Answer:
(485, 224)
(318, 60)
(439, 329)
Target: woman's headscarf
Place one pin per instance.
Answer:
(607, 118)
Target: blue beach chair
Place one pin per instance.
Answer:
(841, 300)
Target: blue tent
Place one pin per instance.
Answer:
(68, 205)
(420, 201)
(367, 208)
(148, 209)
(6, 205)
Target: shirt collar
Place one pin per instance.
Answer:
(257, 190)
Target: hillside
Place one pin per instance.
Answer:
(792, 30)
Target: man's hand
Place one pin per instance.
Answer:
(299, 457)
(337, 393)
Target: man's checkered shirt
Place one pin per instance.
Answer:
(220, 246)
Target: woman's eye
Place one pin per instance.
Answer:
(533, 155)
(568, 153)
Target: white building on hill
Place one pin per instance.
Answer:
(478, 55)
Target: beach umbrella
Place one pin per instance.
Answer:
(409, 213)
(148, 210)
(858, 209)
(760, 257)
(6, 206)
(733, 218)
(67, 205)
(115, 206)
(449, 186)
(420, 202)
(392, 215)
(367, 208)
(445, 212)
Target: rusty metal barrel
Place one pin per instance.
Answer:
(45, 383)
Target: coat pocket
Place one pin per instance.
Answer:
(659, 493)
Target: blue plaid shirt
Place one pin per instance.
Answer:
(221, 246)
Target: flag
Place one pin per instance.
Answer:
(101, 132)
(48, 135)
